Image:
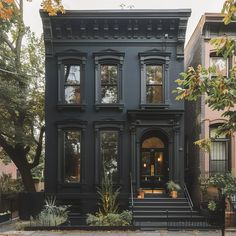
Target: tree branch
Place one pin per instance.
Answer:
(7, 147)
(8, 42)
(38, 149)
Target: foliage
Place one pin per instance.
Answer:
(229, 9)
(52, 215)
(211, 205)
(5, 213)
(8, 185)
(220, 92)
(204, 144)
(9, 7)
(107, 194)
(172, 186)
(108, 207)
(225, 183)
(21, 95)
(111, 219)
(52, 7)
(6, 9)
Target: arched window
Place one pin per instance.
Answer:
(153, 142)
(219, 153)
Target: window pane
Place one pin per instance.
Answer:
(213, 131)
(108, 74)
(154, 94)
(72, 94)
(108, 94)
(72, 74)
(153, 142)
(220, 65)
(154, 75)
(109, 152)
(218, 157)
(72, 156)
(218, 150)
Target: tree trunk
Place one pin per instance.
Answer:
(27, 178)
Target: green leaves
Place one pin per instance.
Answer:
(219, 91)
(229, 10)
(224, 46)
(225, 183)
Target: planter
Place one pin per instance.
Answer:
(5, 217)
(174, 194)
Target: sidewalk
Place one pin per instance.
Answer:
(9, 230)
(116, 233)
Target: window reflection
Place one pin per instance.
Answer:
(109, 152)
(220, 65)
(154, 84)
(72, 156)
(109, 84)
(72, 84)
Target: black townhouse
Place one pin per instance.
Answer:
(109, 81)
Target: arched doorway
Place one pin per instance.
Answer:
(154, 163)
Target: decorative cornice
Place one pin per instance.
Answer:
(102, 25)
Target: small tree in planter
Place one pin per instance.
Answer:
(173, 188)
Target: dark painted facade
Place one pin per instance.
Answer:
(109, 82)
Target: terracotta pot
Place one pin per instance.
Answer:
(174, 194)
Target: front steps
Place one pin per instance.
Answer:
(157, 211)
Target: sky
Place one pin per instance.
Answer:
(198, 7)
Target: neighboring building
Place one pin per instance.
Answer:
(109, 81)
(8, 168)
(201, 121)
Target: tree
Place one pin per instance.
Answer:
(219, 91)
(21, 95)
(8, 7)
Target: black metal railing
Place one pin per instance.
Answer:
(132, 196)
(189, 222)
(187, 195)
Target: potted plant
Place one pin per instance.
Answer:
(173, 188)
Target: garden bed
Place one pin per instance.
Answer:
(83, 227)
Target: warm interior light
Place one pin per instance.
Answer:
(160, 158)
(144, 165)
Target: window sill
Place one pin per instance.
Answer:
(80, 107)
(70, 185)
(119, 107)
(154, 106)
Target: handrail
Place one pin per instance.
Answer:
(131, 192)
(188, 196)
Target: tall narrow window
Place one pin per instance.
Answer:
(72, 84)
(108, 79)
(72, 156)
(219, 154)
(154, 84)
(109, 83)
(109, 152)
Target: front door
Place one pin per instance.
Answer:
(154, 164)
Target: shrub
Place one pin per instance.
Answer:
(111, 219)
(9, 185)
(52, 215)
